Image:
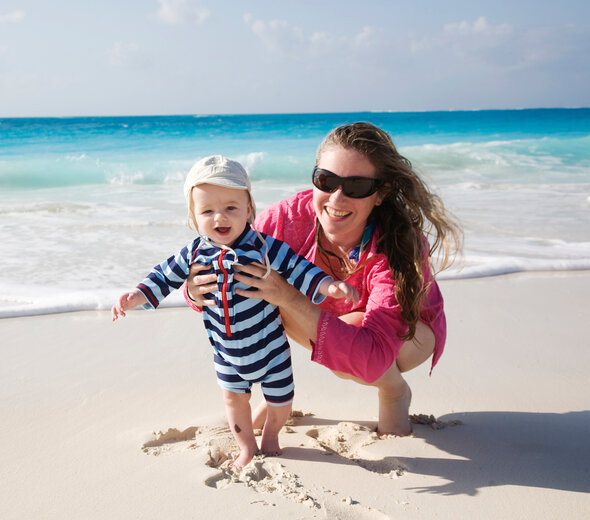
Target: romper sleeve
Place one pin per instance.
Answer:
(368, 350)
(299, 272)
(167, 276)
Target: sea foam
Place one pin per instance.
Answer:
(89, 205)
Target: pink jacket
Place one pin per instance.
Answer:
(369, 350)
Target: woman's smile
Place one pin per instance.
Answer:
(336, 213)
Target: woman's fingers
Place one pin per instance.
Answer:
(253, 283)
(254, 269)
(274, 289)
(195, 271)
(204, 289)
(255, 279)
(197, 291)
(198, 285)
(203, 279)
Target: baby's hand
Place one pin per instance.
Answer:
(339, 289)
(125, 302)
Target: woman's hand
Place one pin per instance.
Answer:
(299, 314)
(274, 288)
(198, 285)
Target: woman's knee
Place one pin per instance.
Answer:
(294, 331)
(417, 350)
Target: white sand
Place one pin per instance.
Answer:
(80, 398)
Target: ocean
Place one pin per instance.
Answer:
(88, 205)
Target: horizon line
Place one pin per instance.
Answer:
(231, 114)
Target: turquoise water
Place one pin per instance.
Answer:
(38, 153)
(97, 201)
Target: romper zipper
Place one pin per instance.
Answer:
(224, 294)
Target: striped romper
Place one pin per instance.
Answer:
(247, 335)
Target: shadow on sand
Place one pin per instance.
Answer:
(543, 450)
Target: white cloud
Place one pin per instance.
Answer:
(121, 54)
(181, 11)
(478, 27)
(14, 17)
(366, 39)
(321, 43)
(471, 43)
(488, 65)
(543, 46)
(277, 35)
(464, 38)
(500, 47)
(280, 37)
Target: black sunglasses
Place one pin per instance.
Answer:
(356, 187)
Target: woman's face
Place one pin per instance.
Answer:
(343, 219)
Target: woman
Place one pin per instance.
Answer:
(364, 222)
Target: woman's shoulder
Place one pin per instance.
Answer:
(299, 203)
(297, 208)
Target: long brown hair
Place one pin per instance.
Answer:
(408, 211)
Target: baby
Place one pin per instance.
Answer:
(247, 335)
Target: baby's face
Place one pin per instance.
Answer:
(221, 213)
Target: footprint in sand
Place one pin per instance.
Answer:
(216, 440)
(218, 448)
(265, 476)
(348, 440)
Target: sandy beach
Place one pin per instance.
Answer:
(125, 420)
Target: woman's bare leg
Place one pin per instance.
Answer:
(394, 393)
(414, 352)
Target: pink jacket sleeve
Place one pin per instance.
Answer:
(369, 350)
(190, 303)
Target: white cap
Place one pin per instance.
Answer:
(228, 173)
(220, 171)
(217, 170)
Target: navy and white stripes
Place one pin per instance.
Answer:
(247, 334)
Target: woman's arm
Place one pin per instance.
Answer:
(365, 351)
(276, 290)
(296, 330)
(362, 344)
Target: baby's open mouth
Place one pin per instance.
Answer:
(223, 230)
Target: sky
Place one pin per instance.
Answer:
(147, 57)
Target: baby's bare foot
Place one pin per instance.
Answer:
(245, 456)
(270, 447)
